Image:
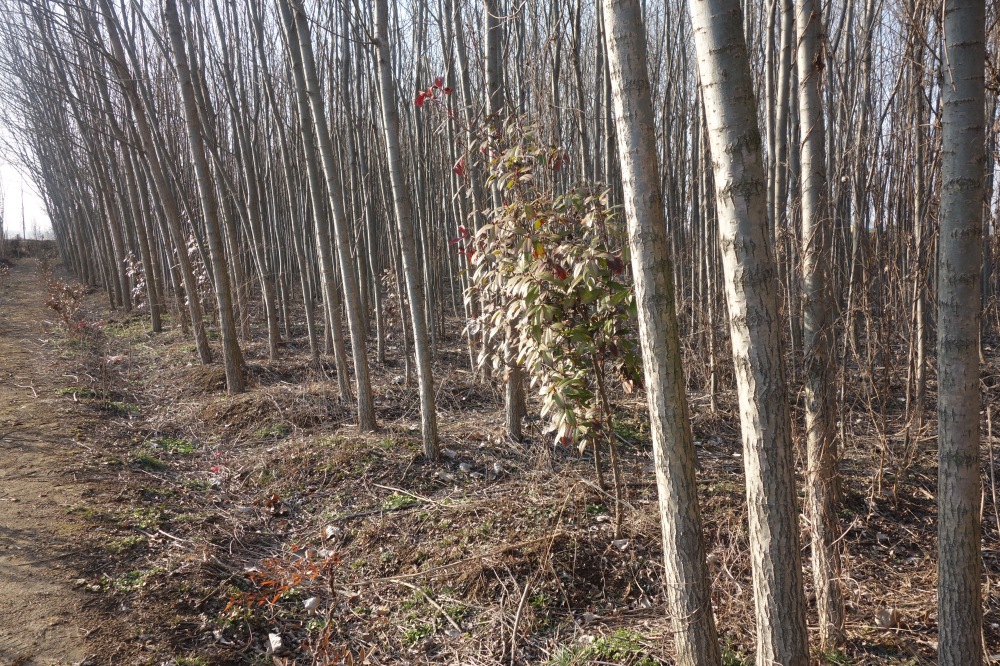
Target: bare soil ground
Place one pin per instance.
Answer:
(46, 614)
(264, 529)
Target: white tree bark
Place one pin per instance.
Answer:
(755, 330)
(817, 339)
(688, 591)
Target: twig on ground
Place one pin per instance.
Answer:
(399, 490)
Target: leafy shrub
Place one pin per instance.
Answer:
(65, 299)
(549, 279)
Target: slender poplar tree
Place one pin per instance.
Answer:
(232, 356)
(688, 591)
(401, 198)
(960, 609)
(755, 330)
(817, 324)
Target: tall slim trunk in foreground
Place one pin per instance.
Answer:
(401, 199)
(355, 319)
(688, 591)
(817, 338)
(960, 611)
(755, 331)
(231, 353)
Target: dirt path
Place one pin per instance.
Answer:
(44, 616)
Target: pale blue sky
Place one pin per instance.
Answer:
(34, 209)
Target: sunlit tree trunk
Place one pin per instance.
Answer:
(688, 592)
(355, 321)
(755, 331)
(327, 267)
(819, 395)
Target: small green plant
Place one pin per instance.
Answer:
(631, 431)
(199, 485)
(87, 512)
(129, 582)
(143, 518)
(567, 655)
(540, 601)
(837, 658)
(120, 408)
(124, 545)
(623, 647)
(275, 431)
(732, 656)
(148, 461)
(397, 501)
(176, 445)
(191, 661)
(417, 633)
(315, 624)
(415, 599)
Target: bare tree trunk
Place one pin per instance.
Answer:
(401, 197)
(355, 321)
(327, 268)
(688, 592)
(297, 229)
(492, 56)
(817, 339)
(960, 610)
(232, 355)
(755, 330)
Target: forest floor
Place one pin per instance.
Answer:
(47, 615)
(187, 527)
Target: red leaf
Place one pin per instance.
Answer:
(419, 101)
(438, 82)
(447, 91)
(459, 168)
